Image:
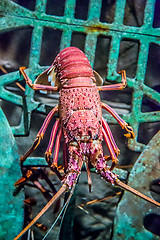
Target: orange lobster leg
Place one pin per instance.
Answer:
(110, 136)
(40, 133)
(51, 140)
(46, 122)
(119, 86)
(48, 153)
(121, 122)
(56, 149)
(110, 148)
(36, 86)
(53, 166)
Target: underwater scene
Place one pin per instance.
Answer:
(80, 120)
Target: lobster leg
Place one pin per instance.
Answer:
(121, 122)
(51, 141)
(110, 148)
(48, 153)
(56, 149)
(110, 136)
(36, 86)
(119, 86)
(40, 134)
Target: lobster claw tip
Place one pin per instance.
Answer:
(22, 68)
(129, 135)
(19, 181)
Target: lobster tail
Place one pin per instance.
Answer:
(71, 63)
(71, 66)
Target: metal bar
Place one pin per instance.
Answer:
(11, 97)
(90, 47)
(149, 14)
(66, 39)
(119, 12)
(142, 61)
(80, 25)
(69, 9)
(94, 10)
(113, 55)
(40, 6)
(35, 46)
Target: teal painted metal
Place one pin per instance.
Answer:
(11, 208)
(131, 211)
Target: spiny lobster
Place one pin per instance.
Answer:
(80, 121)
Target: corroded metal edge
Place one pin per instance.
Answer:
(131, 211)
(11, 208)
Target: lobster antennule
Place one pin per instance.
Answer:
(63, 189)
(135, 192)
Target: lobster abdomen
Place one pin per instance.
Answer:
(72, 63)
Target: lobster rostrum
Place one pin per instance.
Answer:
(80, 121)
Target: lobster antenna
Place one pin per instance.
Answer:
(68, 200)
(135, 192)
(63, 189)
(63, 210)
